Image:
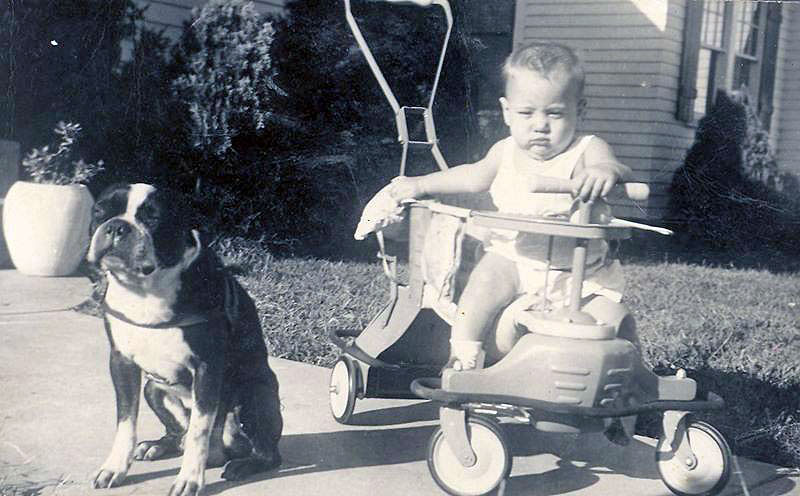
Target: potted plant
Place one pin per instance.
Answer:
(46, 220)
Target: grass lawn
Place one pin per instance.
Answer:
(734, 330)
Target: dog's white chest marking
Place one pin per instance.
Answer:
(146, 309)
(161, 353)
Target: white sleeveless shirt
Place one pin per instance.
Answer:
(509, 192)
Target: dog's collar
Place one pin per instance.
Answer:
(180, 320)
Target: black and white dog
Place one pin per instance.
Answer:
(176, 317)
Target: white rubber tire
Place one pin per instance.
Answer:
(713, 469)
(492, 466)
(343, 389)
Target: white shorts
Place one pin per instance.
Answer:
(601, 277)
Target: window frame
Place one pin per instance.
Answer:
(724, 59)
(720, 59)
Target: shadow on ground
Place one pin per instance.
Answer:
(351, 449)
(418, 412)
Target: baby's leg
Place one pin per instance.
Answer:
(493, 284)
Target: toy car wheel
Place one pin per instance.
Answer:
(343, 389)
(492, 465)
(712, 468)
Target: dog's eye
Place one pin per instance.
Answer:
(99, 211)
(148, 216)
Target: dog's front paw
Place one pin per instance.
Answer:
(154, 450)
(186, 487)
(106, 478)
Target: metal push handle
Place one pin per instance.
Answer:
(400, 111)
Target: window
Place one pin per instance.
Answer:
(747, 42)
(727, 45)
(711, 53)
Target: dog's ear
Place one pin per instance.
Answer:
(195, 246)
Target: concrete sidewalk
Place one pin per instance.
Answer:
(57, 423)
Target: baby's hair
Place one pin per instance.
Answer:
(545, 59)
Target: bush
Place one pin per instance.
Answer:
(65, 65)
(726, 189)
(221, 89)
(227, 84)
(333, 90)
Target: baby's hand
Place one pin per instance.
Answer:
(594, 182)
(404, 187)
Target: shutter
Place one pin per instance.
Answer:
(769, 60)
(687, 92)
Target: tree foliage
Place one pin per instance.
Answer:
(342, 144)
(227, 84)
(725, 190)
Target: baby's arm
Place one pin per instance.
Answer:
(598, 172)
(466, 178)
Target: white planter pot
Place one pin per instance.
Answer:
(46, 227)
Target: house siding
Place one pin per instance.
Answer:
(786, 117)
(632, 62)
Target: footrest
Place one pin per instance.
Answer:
(430, 388)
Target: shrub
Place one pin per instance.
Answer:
(726, 189)
(314, 45)
(228, 82)
(758, 159)
(63, 64)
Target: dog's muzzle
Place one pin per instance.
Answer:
(119, 245)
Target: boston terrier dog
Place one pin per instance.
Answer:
(177, 319)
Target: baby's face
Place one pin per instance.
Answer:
(542, 113)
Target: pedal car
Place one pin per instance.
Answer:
(567, 373)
